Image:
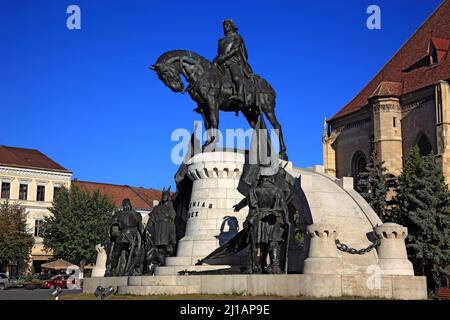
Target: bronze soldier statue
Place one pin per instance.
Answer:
(160, 232)
(125, 255)
(267, 220)
(232, 54)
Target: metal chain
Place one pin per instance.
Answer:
(343, 247)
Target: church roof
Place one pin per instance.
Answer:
(28, 158)
(388, 89)
(141, 198)
(410, 68)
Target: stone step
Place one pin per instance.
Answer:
(158, 290)
(173, 270)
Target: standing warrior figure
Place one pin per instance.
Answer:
(232, 54)
(126, 252)
(267, 220)
(160, 232)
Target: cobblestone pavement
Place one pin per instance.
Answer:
(38, 294)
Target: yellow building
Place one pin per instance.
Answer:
(31, 178)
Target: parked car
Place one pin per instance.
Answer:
(4, 281)
(59, 281)
(16, 281)
(45, 276)
(13, 281)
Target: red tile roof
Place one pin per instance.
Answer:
(140, 198)
(440, 44)
(388, 88)
(27, 158)
(406, 66)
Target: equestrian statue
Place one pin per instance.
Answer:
(226, 84)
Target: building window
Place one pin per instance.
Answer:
(55, 191)
(394, 122)
(6, 188)
(434, 57)
(23, 192)
(38, 228)
(424, 145)
(40, 195)
(359, 163)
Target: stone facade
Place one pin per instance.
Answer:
(36, 208)
(391, 126)
(292, 285)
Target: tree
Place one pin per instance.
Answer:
(78, 223)
(422, 205)
(15, 241)
(373, 187)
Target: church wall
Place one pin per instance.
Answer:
(419, 116)
(355, 132)
(352, 134)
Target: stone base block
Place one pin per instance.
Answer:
(409, 287)
(90, 284)
(312, 285)
(158, 290)
(396, 267)
(319, 265)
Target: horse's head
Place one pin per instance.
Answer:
(169, 75)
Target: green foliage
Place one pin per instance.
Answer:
(30, 278)
(15, 241)
(78, 223)
(422, 205)
(373, 187)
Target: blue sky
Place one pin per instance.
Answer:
(87, 99)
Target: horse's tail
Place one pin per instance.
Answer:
(263, 86)
(265, 95)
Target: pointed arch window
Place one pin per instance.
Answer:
(359, 163)
(424, 145)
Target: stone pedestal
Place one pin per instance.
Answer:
(100, 264)
(323, 255)
(211, 219)
(292, 285)
(392, 256)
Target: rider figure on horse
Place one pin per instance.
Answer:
(232, 56)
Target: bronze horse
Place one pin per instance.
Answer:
(211, 89)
